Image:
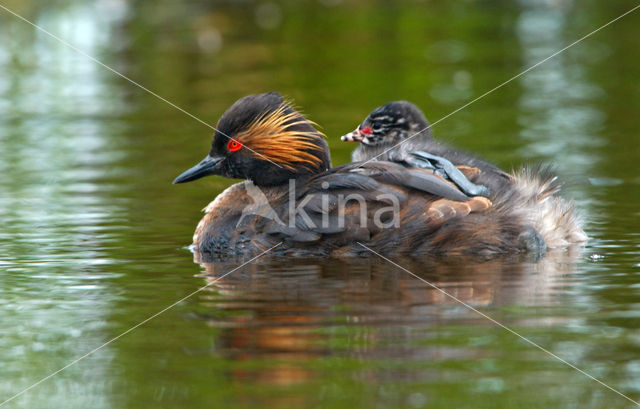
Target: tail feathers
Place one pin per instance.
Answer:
(553, 216)
(537, 183)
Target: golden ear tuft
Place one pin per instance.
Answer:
(273, 136)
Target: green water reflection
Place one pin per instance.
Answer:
(94, 236)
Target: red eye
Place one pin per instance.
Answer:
(366, 130)
(233, 145)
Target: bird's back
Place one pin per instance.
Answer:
(379, 206)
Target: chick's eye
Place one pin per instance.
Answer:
(366, 130)
(233, 145)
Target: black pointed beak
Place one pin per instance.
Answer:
(208, 166)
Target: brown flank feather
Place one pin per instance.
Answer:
(284, 145)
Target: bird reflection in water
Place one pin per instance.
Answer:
(291, 311)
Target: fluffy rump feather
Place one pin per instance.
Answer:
(535, 197)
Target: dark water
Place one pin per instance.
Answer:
(94, 237)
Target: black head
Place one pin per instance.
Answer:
(263, 139)
(390, 124)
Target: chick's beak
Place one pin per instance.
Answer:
(208, 166)
(355, 136)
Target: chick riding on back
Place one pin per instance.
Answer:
(399, 132)
(309, 208)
